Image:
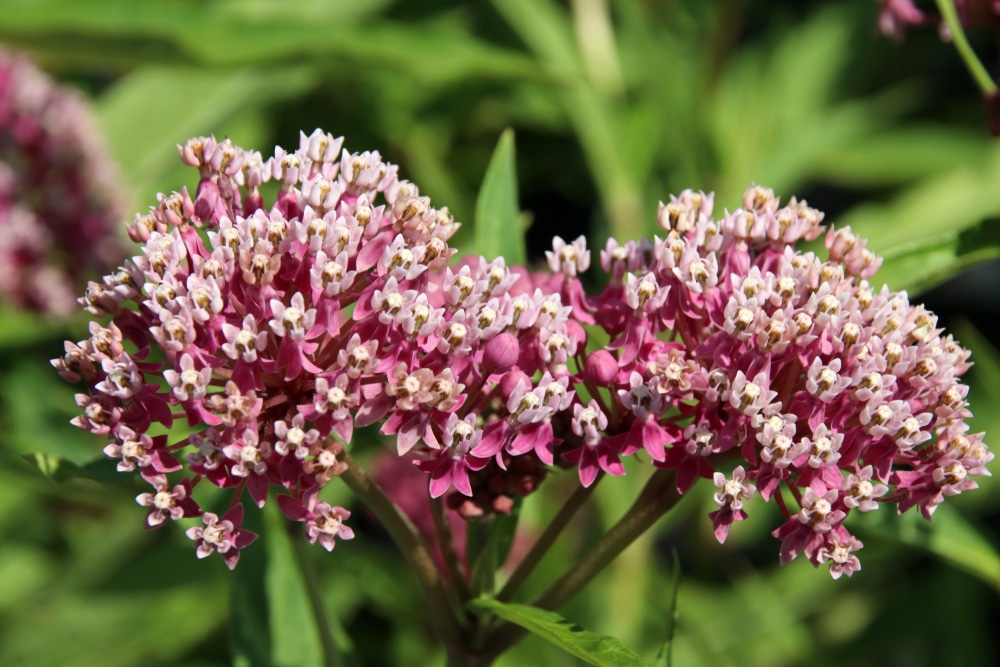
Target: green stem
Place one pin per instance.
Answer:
(972, 62)
(657, 498)
(443, 616)
(331, 652)
(546, 540)
(446, 541)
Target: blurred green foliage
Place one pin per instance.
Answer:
(614, 105)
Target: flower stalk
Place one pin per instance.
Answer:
(972, 62)
(443, 617)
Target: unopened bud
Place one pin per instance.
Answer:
(500, 354)
(601, 368)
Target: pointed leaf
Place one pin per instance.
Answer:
(56, 468)
(593, 648)
(664, 657)
(250, 633)
(498, 220)
(494, 553)
(61, 470)
(294, 636)
(173, 104)
(955, 540)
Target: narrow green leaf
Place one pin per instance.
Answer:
(504, 528)
(954, 539)
(60, 470)
(902, 155)
(665, 655)
(56, 468)
(593, 648)
(485, 566)
(494, 553)
(294, 636)
(498, 228)
(149, 112)
(250, 624)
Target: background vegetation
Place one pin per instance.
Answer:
(614, 105)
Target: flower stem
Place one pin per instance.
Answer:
(972, 62)
(657, 498)
(331, 652)
(546, 540)
(443, 616)
(446, 541)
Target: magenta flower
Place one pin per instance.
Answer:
(59, 200)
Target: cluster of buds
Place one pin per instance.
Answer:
(57, 192)
(276, 331)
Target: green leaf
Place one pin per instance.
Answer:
(238, 33)
(295, 638)
(593, 648)
(933, 229)
(149, 112)
(250, 627)
(494, 553)
(954, 539)
(902, 155)
(664, 656)
(60, 470)
(498, 219)
(546, 29)
(56, 468)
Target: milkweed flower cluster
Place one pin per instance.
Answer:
(57, 191)
(729, 344)
(274, 330)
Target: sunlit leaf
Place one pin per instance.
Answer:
(494, 553)
(593, 648)
(250, 627)
(295, 639)
(664, 658)
(149, 112)
(498, 220)
(933, 229)
(951, 537)
(902, 155)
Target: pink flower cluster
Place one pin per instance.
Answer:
(275, 330)
(728, 344)
(57, 192)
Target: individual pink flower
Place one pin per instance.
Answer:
(223, 536)
(732, 493)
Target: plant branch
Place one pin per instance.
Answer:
(546, 540)
(969, 57)
(446, 541)
(331, 652)
(443, 616)
(657, 498)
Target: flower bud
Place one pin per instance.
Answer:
(500, 354)
(509, 382)
(601, 368)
